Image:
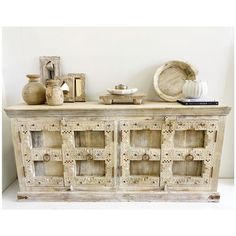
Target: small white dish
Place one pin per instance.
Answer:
(122, 91)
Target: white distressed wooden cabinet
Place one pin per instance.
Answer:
(94, 152)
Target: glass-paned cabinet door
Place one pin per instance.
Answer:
(188, 152)
(88, 153)
(140, 150)
(41, 143)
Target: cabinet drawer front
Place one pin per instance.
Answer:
(140, 151)
(188, 152)
(41, 144)
(88, 153)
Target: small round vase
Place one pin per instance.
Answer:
(54, 93)
(194, 89)
(33, 92)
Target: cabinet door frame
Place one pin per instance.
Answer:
(129, 153)
(204, 154)
(71, 154)
(30, 154)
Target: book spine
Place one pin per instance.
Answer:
(201, 103)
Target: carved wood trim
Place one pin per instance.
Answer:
(71, 154)
(68, 154)
(169, 153)
(129, 153)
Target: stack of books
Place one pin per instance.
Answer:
(198, 102)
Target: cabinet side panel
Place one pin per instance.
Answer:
(218, 152)
(18, 154)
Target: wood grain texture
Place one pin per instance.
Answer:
(128, 196)
(109, 99)
(49, 168)
(149, 108)
(169, 79)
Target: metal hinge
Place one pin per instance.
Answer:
(120, 170)
(24, 173)
(113, 136)
(215, 136)
(19, 136)
(119, 136)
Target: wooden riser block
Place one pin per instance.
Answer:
(122, 99)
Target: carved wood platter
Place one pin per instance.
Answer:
(170, 78)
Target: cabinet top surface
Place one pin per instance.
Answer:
(96, 106)
(99, 106)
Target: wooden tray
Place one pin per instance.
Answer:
(170, 78)
(119, 99)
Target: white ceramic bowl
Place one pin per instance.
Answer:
(122, 91)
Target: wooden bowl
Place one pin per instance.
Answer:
(169, 79)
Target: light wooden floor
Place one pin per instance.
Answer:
(226, 188)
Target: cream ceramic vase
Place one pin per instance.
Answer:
(54, 93)
(33, 92)
(195, 89)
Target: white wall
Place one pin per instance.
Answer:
(8, 160)
(110, 56)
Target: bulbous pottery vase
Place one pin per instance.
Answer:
(54, 93)
(34, 92)
(195, 89)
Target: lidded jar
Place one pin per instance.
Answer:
(195, 89)
(54, 93)
(33, 92)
